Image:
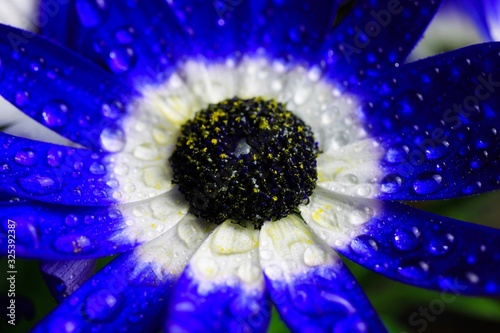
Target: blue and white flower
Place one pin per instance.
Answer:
(386, 131)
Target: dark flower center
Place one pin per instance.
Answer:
(245, 160)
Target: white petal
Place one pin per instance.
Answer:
(169, 253)
(230, 257)
(146, 220)
(352, 170)
(337, 219)
(288, 248)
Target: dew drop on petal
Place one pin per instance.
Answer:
(55, 114)
(111, 111)
(427, 183)
(479, 160)
(396, 154)
(440, 245)
(112, 139)
(146, 152)
(25, 157)
(22, 98)
(39, 184)
(121, 59)
(125, 35)
(391, 183)
(73, 243)
(97, 168)
(414, 269)
(406, 239)
(350, 324)
(472, 277)
(364, 245)
(102, 305)
(71, 220)
(62, 325)
(437, 151)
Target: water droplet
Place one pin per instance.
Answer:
(351, 324)
(90, 12)
(125, 35)
(112, 139)
(112, 110)
(74, 243)
(22, 98)
(71, 220)
(472, 277)
(437, 151)
(146, 151)
(350, 178)
(315, 256)
(25, 157)
(391, 183)
(414, 269)
(55, 156)
(479, 160)
(55, 114)
(406, 238)
(427, 183)
(364, 191)
(471, 188)
(26, 232)
(396, 154)
(39, 184)
(364, 245)
(102, 305)
(97, 168)
(440, 245)
(121, 60)
(62, 325)
(188, 234)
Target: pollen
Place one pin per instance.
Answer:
(248, 160)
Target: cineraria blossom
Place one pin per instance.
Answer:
(228, 150)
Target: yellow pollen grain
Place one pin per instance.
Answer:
(214, 141)
(223, 155)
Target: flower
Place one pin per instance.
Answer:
(385, 132)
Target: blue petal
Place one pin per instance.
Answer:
(64, 277)
(59, 89)
(324, 299)
(438, 121)
(53, 173)
(224, 308)
(138, 40)
(284, 29)
(54, 18)
(118, 298)
(429, 251)
(130, 293)
(215, 29)
(61, 232)
(375, 36)
(292, 30)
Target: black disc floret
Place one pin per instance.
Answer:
(245, 160)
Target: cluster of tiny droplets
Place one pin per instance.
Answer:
(245, 160)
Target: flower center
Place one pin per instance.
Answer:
(245, 160)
